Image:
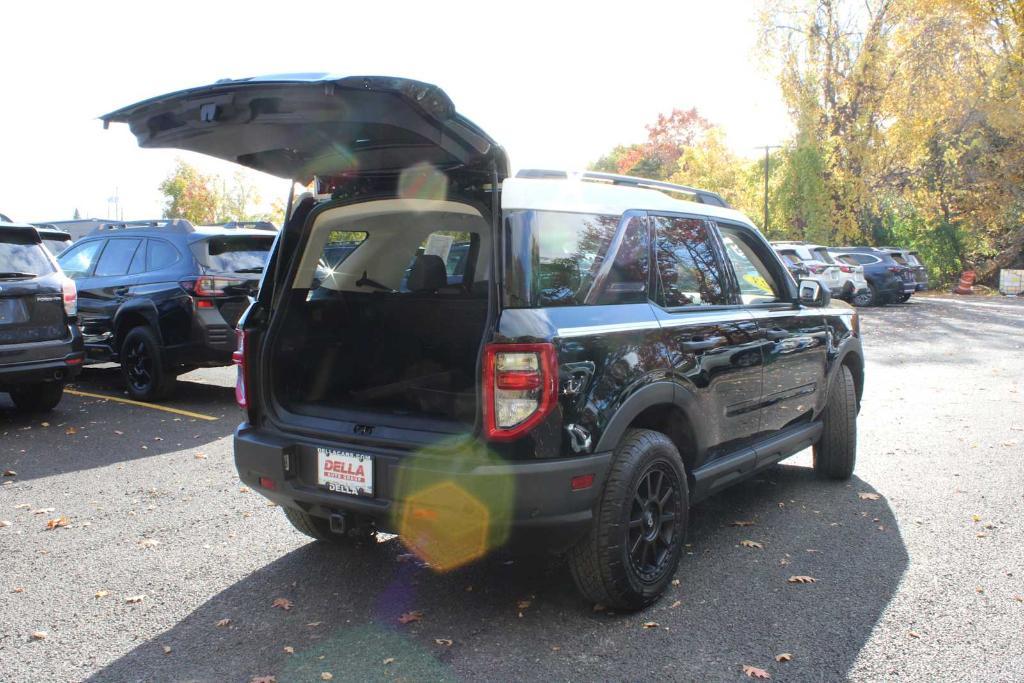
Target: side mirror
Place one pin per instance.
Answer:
(813, 294)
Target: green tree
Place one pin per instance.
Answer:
(190, 195)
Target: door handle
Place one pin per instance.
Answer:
(776, 334)
(702, 344)
(120, 291)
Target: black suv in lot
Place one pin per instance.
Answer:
(162, 297)
(889, 281)
(40, 346)
(603, 355)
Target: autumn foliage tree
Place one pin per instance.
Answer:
(205, 199)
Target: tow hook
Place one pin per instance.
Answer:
(579, 438)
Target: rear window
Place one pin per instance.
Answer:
(553, 257)
(822, 255)
(913, 260)
(791, 258)
(899, 259)
(22, 254)
(55, 246)
(233, 254)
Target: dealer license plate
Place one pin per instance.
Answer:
(345, 471)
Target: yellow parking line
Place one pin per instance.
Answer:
(166, 409)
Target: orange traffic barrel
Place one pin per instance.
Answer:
(966, 284)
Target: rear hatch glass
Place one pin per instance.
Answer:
(31, 304)
(241, 254)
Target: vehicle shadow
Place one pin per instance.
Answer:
(522, 620)
(85, 432)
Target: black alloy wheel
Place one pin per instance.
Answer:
(142, 365)
(138, 365)
(653, 517)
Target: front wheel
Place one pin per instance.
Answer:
(142, 365)
(632, 550)
(38, 398)
(835, 454)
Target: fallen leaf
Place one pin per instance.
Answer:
(44, 424)
(976, 518)
(651, 624)
(326, 676)
(751, 544)
(119, 432)
(314, 624)
(282, 603)
(742, 522)
(981, 534)
(149, 543)
(23, 506)
(58, 522)
(675, 582)
(289, 650)
(914, 634)
(244, 489)
(102, 594)
(598, 607)
(784, 657)
(675, 604)
(389, 660)
(868, 496)
(523, 604)
(200, 456)
(10, 473)
(443, 642)
(263, 679)
(135, 599)
(802, 579)
(18, 589)
(167, 649)
(4, 523)
(38, 635)
(754, 672)
(71, 430)
(410, 617)
(221, 623)
(42, 511)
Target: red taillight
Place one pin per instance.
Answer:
(583, 481)
(204, 303)
(69, 292)
(520, 388)
(894, 269)
(238, 358)
(210, 285)
(846, 269)
(268, 483)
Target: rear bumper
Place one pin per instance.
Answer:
(32, 363)
(211, 341)
(544, 513)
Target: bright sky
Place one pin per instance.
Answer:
(556, 83)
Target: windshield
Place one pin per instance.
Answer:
(234, 254)
(22, 255)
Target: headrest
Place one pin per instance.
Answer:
(428, 274)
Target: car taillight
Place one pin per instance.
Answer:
(894, 269)
(210, 285)
(846, 269)
(520, 388)
(70, 294)
(238, 358)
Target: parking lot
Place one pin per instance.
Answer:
(168, 569)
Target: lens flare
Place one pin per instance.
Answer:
(422, 181)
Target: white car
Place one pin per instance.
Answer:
(843, 280)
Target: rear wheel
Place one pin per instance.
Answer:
(320, 529)
(835, 454)
(142, 365)
(868, 297)
(632, 550)
(38, 398)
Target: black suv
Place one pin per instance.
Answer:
(162, 297)
(889, 281)
(604, 355)
(40, 346)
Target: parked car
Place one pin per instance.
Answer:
(844, 281)
(888, 281)
(641, 353)
(40, 346)
(162, 297)
(54, 239)
(911, 259)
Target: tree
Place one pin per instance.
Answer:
(657, 158)
(77, 215)
(190, 195)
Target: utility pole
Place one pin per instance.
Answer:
(767, 161)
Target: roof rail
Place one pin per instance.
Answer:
(701, 196)
(170, 224)
(252, 225)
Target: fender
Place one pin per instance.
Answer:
(851, 346)
(654, 394)
(138, 307)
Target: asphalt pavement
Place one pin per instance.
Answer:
(168, 569)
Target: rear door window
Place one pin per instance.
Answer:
(689, 272)
(160, 254)
(22, 254)
(117, 256)
(626, 279)
(77, 262)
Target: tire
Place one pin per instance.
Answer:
(320, 529)
(38, 398)
(835, 454)
(614, 565)
(904, 298)
(143, 367)
(868, 298)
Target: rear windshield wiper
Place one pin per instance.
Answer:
(257, 269)
(14, 274)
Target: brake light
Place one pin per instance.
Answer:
(846, 269)
(894, 269)
(238, 358)
(210, 285)
(520, 388)
(69, 292)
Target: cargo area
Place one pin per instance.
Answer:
(387, 311)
